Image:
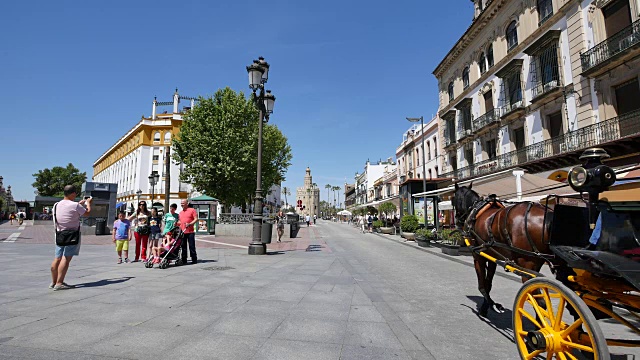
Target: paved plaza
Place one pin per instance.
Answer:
(332, 293)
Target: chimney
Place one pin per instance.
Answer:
(176, 101)
(155, 105)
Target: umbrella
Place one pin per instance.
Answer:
(345, 212)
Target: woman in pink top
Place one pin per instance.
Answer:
(188, 218)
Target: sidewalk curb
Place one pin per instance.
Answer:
(449, 257)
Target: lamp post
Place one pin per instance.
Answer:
(139, 192)
(153, 180)
(424, 170)
(258, 76)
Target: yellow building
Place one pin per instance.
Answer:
(141, 152)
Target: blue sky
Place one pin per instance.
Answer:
(76, 75)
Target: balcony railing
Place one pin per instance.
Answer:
(509, 108)
(489, 117)
(541, 88)
(463, 134)
(586, 137)
(619, 42)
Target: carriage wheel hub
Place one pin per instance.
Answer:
(545, 339)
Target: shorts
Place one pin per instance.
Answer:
(122, 245)
(66, 251)
(155, 236)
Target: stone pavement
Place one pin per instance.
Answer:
(366, 298)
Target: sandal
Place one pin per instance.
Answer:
(119, 260)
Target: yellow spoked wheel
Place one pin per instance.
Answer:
(545, 328)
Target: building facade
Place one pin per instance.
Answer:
(365, 182)
(531, 84)
(8, 203)
(142, 151)
(309, 196)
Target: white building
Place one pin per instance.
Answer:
(365, 181)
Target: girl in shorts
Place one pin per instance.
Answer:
(155, 223)
(165, 246)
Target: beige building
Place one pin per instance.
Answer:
(531, 84)
(308, 196)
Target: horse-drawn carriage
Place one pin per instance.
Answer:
(591, 243)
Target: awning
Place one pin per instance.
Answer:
(445, 205)
(503, 184)
(120, 204)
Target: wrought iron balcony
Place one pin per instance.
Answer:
(463, 134)
(593, 135)
(541, 88)
(449, 138)
(511, 109)
(602, 53)
(486, 119)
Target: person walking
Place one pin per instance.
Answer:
(12, 217)
(141, 230)
(308, 220)
(66, 217)
(188, 218)
(280, 219)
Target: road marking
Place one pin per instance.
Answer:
(221, 243)
(12, 238)
(21, 227)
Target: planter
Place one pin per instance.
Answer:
(453, 250)
(422, 241)
(386, 230)
(409, 236)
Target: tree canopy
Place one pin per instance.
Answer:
(51, 182)
(218, 145)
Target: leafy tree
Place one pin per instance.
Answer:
(285, 192)
(51, 182)
(218, 146)
(387, 208)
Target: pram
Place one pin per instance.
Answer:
(173, 254)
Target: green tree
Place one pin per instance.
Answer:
(51, 182)
(285, 192)
(217, 144)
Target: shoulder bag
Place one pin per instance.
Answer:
(65, 237)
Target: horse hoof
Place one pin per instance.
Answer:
(498, 308)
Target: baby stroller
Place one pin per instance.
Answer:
(170, 254)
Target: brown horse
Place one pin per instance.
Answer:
(501, 228)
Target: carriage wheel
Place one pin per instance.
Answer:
(543, 326)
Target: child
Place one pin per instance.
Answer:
(157, 251)
(121, 236)
(154, 222)
(170, 220)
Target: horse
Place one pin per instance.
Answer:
(514, 232)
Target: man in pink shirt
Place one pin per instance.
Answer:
(188, 218)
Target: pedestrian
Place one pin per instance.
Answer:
(141, 230)
(12, 217)
(20, 217)
(66, 218)
(155, 222)
(370, 223)
(188, 218)
(280, 220)
(362, 224)
(315, 217)
(170, 219)
(121, 236)
(308, 220)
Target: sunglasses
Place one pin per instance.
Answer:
(142, 204)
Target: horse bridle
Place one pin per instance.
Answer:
(461, 220)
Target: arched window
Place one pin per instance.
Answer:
(465, 77)
(156, 136)
(450, 91)
(429, 173)
(482, 63)
(435, 146)
(436, 170)
(429, 150)
(417, 156)
(490, 56)
(545, 10)
(167, 137)
(512, 35)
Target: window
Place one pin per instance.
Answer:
(167, 137)
(490, 147)
(512, 35)
(436, 170)
(429, 150)
(435, 146)
(482, 64)
(430, 174)
(450, 91)
(490, 55)
(156, 136)
(514, 88)
(545, 10)
(156, 157)
(465, 77)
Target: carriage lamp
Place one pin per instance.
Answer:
(593, 178)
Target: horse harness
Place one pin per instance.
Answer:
(481, 206)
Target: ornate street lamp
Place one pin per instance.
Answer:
(258, 76)
(139, 192)
(153, 180)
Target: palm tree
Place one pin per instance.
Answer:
(285, 192)
(335, 188)
(328, 187)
